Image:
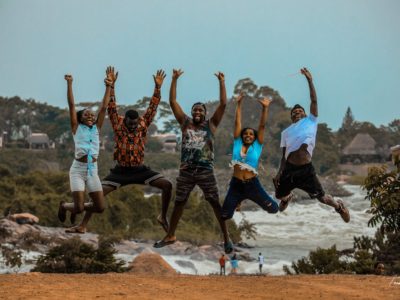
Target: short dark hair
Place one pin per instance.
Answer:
(297, 106)
(79, 115)
(132, 114)
(244, 129)
(200, 103)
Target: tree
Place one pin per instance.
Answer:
(383, 191)
(348, 120)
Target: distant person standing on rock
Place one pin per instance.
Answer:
(247, 149)
(234, 264)
(222, 261)
(197, 159)
(296, 169)
(83, 173)
(260, 262)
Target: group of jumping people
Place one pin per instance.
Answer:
(197, 157)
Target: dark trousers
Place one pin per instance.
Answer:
(222, 270)
(249, 189)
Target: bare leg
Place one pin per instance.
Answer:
(166, 191)
(328, 200)
(337, 205)
(78, 203)
(217, 212)
(175, 217)
(81, 228)
(76, 207)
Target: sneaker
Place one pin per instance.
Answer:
(285, 202)
(343, 211)
(62, 212)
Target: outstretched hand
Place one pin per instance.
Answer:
(306, 73)
(239, 98)
(176, 73)
(68, 78)
(265, 102)
(220, 76)
(111, 76)
(108, 82)
(159, 78)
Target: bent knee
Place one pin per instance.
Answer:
(226, 216)
(167, 187)
(273, 208)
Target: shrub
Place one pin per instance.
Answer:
(75, 256)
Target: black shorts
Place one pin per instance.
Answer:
(301, 177)
(120, 176)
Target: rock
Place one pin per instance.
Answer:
(186, 264)
(246, 257)
(151, 264)
(244, 245)
(24, 218)
(13, 229)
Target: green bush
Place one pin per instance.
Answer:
(320, 261)
(75, 256)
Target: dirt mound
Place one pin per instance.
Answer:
(151, 264)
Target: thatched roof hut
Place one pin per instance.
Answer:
(362, 144)
(361, 150)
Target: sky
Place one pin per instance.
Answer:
(351, 47)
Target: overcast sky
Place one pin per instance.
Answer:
(351, 47)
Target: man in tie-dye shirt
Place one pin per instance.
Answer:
(197, 158)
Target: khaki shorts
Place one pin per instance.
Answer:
(80, 177)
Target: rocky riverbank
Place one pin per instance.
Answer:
(38, 240)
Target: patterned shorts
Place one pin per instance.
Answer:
(204, 178)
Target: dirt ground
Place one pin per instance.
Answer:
(133, 286)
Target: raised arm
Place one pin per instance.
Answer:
(71, 104)
(219, 112)
(109, 82)
(112, 104)
(176, 108)
(313, 94)
(238, 116)
(155, 100)
(264, 115)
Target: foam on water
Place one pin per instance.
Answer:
(281, 238)
(305, 226)
(288, 236)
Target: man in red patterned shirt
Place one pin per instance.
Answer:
(130, 134)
